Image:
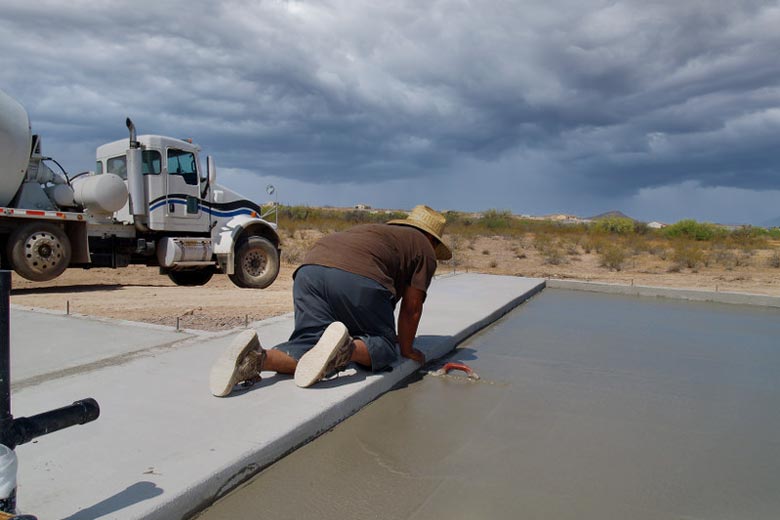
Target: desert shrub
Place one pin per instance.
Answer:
(748, 238)
(692, 230)
(542, 241)
(614, 225)
(773, 233)
(553, 256)
(595, 243)
(497, 219)
(613, 257)
(724, 257)
(688, 254)
(774, 260)
(742, 259)
(641, 228)
(572, 248)
(485, 252)
(637, 244)
(493, 264)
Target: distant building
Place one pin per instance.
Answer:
(362, 206)
(656, 225)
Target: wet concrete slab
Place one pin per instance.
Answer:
(589, 406)
(164, 448)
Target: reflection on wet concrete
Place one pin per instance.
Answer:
(590, 406)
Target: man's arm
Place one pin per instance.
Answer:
(408, 320)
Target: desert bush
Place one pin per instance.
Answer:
(641, 228)
(749, 238)
(613, 257)
(572, 248)
(497, 219)
(614, 225)
(724, 257)
(595, 243)
(774, 260)
(742, 259)
(493, 264)
(688, 254)
(637, 244)
(553, 256)
(485, 252)
(692, 230)
(542, 241)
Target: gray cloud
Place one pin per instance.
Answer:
(600, 99)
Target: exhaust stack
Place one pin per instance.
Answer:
(135, 178)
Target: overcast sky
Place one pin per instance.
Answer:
(662, 109)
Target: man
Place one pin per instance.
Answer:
(345, 293)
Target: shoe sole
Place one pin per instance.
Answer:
(223, 375)
(311, 367)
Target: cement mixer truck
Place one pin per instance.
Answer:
(147, 202)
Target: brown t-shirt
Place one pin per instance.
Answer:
(395, 256)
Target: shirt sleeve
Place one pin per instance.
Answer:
(423, 272)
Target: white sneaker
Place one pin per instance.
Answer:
(331, 353)
(241, 362)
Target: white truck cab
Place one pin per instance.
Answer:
(149, 201)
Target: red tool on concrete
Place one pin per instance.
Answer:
(455, 366)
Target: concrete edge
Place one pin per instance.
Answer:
(240, 471)
(117, 321)
(733, 298)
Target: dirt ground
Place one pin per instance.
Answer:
(141, 294)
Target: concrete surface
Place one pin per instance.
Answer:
(56, 345)
(164, 448)
(589, 407)
(733, 298)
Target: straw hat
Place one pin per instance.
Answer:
(430, 221)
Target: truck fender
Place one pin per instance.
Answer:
(79, 242)
(226, 238)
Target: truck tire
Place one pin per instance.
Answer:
(39, 251)
(256, 264)
(191, 277)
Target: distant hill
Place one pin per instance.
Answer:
(613, 214)
(775, 222)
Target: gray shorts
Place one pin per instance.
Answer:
(322, 295)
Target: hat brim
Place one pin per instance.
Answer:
(442, 251)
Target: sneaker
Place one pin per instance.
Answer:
(241, 362)
(331, 353)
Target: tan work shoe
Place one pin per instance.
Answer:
(331, 353)
(241, 362)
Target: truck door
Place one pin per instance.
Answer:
(183, 210)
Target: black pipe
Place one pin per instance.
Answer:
(25, 429)
(5, 349)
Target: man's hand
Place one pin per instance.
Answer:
(415, 355)
(408, 319)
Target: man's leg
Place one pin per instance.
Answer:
(278, 361)
(360, 355)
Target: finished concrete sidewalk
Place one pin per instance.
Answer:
(163, 447)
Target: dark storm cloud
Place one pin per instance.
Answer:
(617, 96)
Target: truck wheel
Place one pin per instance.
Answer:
(191, 277)
(257, 263)
(39, 251)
